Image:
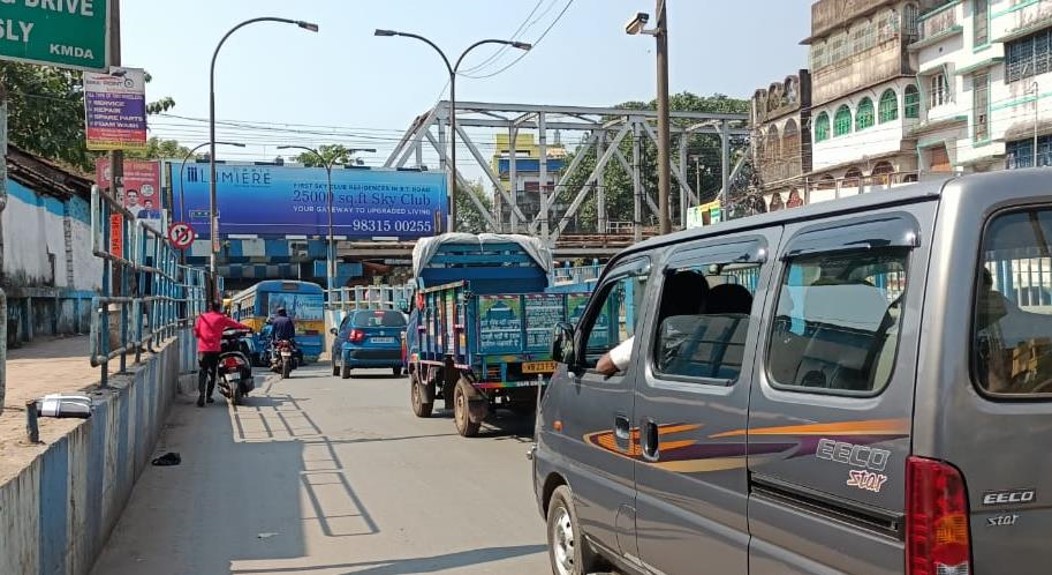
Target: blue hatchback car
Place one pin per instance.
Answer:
(368, 339)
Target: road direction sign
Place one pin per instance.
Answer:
(181, 235)
(66, 33)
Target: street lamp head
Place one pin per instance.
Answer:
(309, 26)
(524, 46)
(380, 32)
(235, 144)
(636, 24)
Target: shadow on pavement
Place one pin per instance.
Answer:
(449, 561)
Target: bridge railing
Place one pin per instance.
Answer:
(370, 297)
(146, 295)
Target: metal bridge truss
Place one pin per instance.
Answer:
(604, 130)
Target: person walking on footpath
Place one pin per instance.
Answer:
(209, 330)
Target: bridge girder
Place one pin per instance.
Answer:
(605, 129)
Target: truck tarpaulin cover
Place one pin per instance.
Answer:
(426, 248)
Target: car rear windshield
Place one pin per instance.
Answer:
(1012, 322)
(379, 319)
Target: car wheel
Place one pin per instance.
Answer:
(345, 370)
(335, 367)
(568, 551)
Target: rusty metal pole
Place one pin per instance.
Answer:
(664, 165)
(3, 204)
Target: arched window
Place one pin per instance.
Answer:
(822, 127)
(791, 142)
(842, 121)
(864, 118)
(882, 173)
(853, 178)
(774, 144)
(889, 106)
(912, 100)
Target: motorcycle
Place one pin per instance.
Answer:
(234, 374)
(283, 358)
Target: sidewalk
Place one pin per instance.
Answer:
(42, 367)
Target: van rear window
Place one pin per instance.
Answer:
(836, 327)
(380, 318)
(1012, 321)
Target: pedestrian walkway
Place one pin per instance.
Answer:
(45, 366)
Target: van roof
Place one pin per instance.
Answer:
(921, 191)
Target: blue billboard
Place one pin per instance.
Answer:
(272, 200)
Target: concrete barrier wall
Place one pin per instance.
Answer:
(56, 515)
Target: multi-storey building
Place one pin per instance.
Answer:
(781, 140)
(987, 69)
(866, 104)
(527, 185)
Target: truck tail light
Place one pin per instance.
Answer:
(938, 541)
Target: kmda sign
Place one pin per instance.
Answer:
(65, 33)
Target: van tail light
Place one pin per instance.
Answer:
(938, 541)
(357, 336)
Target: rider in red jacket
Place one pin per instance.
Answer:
(209, 333)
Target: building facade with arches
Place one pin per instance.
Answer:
(781, 142)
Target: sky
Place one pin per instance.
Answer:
(284, 85)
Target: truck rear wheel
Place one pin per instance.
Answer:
(462, 411)
(418, 395)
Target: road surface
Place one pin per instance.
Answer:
(321, 476)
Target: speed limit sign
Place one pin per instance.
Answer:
(181, 235)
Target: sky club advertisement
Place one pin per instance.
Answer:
(278, 200)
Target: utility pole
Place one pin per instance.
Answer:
(3, 204)
(664, 175)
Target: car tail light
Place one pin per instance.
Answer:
(938, 541)
(357, 336)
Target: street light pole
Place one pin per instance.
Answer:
(213, 234)
(330, 257)
(452, 70)
(660, 34)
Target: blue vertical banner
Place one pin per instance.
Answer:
(274, 201)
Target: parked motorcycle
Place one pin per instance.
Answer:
(235, 368)
(283, 358)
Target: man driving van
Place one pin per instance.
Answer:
(684, 293)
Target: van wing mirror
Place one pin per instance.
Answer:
(563, 347)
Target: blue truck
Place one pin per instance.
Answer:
(480, 330)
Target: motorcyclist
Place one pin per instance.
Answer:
(209, 329)
(282, 328)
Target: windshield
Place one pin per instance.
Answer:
(383, 318)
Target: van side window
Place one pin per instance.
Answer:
(836, 325)
(618, 318)
(703, 320)
(1012, 321)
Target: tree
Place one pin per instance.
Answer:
(617, 183)
(158, 149)
(46, 112)
(330, 153)
(469, 219)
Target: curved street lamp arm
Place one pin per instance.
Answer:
(519, 45)
(445, 59)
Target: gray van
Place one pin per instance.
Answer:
(861, 386)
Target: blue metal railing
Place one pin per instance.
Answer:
(142, 281)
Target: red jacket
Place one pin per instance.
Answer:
(209, 330)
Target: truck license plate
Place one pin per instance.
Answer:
(382, 339)
(538, 367)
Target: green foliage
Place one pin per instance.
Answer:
(158, 149)
(617, 182)
(46, 112)
(468, 217)
(331, 154)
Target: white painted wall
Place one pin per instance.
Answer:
(33, 227)
(871, 142)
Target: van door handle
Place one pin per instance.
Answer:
(650, 439)
(622, 431)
